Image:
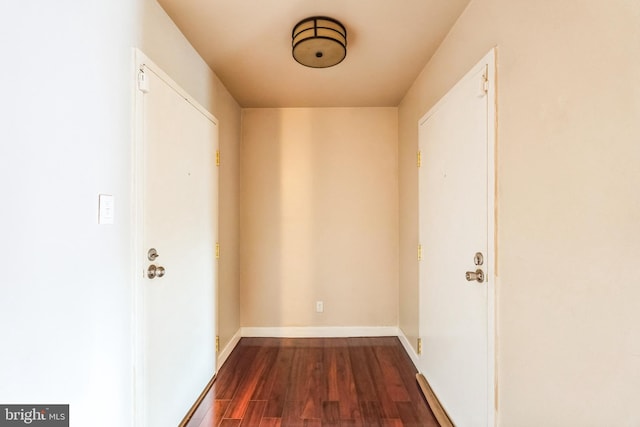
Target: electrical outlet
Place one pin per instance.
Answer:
(319, 306)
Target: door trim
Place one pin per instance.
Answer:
(141, 61)
(488, 62)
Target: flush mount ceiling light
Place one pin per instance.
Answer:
(319, 42)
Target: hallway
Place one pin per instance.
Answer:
(318, 202)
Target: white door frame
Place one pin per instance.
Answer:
(488, 61)
(141, 61)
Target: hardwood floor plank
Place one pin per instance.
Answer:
(396, 388)
(330, 413)
(265, 382)
(271, 422)
(333, 376)
(387, 405)
(392, 422)
(228, 422)
(253, 415)
(340, 382)
(410, 417)
(365, 388)
(239, 360)
(281, 380)
(291, 414)
(213, 417)
(371, 413)
(247, 386)
(309, 381)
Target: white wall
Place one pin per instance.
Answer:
(568, 202)
(319, 217)
(65, 133)
(65, 137)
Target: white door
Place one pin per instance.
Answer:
(456, 202)
(178, 209)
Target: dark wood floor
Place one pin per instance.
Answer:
(290, 382)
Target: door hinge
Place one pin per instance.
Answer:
(143, 83)
(419, 252)
(217, 157)
(217, 250)
(419, 159)
(419, 346)
(217, 344)
(485, 80)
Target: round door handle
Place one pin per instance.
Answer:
(159, 271)
(477, 275)
(153, 271)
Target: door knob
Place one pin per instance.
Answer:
(153, 271)
(159, 271)
(477, 275)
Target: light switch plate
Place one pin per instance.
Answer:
(105, 209)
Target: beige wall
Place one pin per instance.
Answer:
(568, 202)
(166, 46)
(319, 217)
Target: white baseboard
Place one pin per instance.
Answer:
(408, 348)
(321, 331)
(226, 351)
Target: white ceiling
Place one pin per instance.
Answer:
(247, 43)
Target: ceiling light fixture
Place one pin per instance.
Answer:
(319, 42)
